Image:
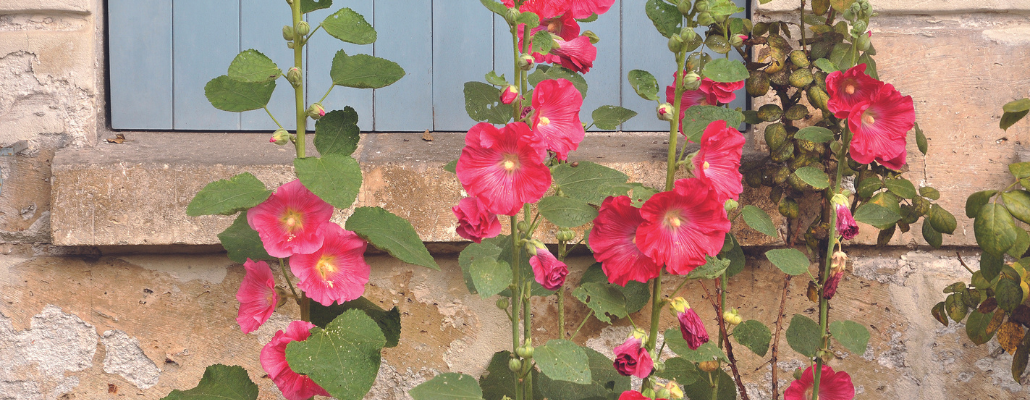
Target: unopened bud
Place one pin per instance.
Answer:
(287, 32)
(502, 303)
(797, 374)
(523, 226)
(280, 137)
(565, 234)
(592, 36)
(732, 317)
(509, 94)
(862, 42)
(289, 45)
(665, 112)
(303, 28)
(514, 365)
(675, 43)
(316, 111)
(704, 19)
(525, 351)
(662, 393)
(512, 15)
(701, 6)
(730, 204)
(294, 76)
(684, 7)
(708, 366)
(526, 62)
(737, 40)
(692, 81)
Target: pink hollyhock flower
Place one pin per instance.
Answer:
(557, 104)
(547, 270)
(722, 91)
(335, 273)
(634, 395)
(846, 89)
(632, 359)
(838, 263)
(273, 359)
(718, 161)
(585, 8)
(288, 221)
(509, 94)
(577, 54)
(846, 225)
(691, 327)
(832, 386)
(257, 296)
(612, 240)
(879, 125)
(682, 226)
(474, 222)
(504, 168)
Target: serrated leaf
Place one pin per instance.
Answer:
(932, 237)
(563, 360)
(349, 26)
(921, 140)
(220, 382)
(713, 268)
(868, 186)
(252, 66)
(803, 335)
(606, 300)
(605, 382)
(697, 118)
(483, 103)
(487, 249)
(637, 294)
(332, 177)
(566, 212)
(644, 84)
(352, 343)
(976, 201)
(242, 242)
(876, 215)
(610, 117)
(228, 196)
(753, 335)
(825, 65)
(495, 80)
(725, 70)
(231, 95)
(528, 18)
(490, 276)
(665, 17)
(389, 321)
(545, 72)
(588, 181)
(390, 233)
(682, 371)
(790, 261)
(543, 42)
(363, 71)
(941, 220)
(702, 389)
(852, 335)
(337, 132)
(901, 187)
(816, 134)
(307, 6)
(814, 177)
(706, 352)
(448, 386)
(994, 228)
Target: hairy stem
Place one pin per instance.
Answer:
(298, 91)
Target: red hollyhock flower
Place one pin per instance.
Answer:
(879, 125)
(691, 326)
(718, 161)
(557, 104)
(632, 359)
(504, 168)
(474, 222)
(288, 221)
(577, 54)
(273, 359)
(682, 226)
(256, 295)
(335, 273)
(846, 89)
(509, 94)
(634, 395)
(846, 225)
(832, 386)
(613, 241)
(585, 8)
(723, 91)
(547, 270)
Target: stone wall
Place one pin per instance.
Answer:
(113, 292)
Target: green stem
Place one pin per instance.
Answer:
(674, 126)
(273, 117)
(516, 298)
(715, 385)
(326, 93)
(286, 275)
(587, 318)
(722, 307)
(298, 91)
(305, 308)
(656, 309)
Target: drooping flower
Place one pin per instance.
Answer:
(682, 226)
(504, 168)
(256, 295)
(509, 94)
(273, 359)
(722, 91)
(632, 359)
(557, 104)
(691, 326)
(718, 161)
(832, 386)
(879, 125)
(838, 263)
(577, 54)
(846, 226)
(288, 221)
(335, 273)
(547, 270)
(613, 241)
(848, 88)
(474, 222)
(585, 8)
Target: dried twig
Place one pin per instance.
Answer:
(776, 337)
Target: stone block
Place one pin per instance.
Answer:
(929, 7)
(38, 6)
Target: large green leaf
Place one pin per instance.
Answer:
(228, 196)
(697, 118)
(732, 252)
(994, 228)
(334, 178)
(932, 237)
(876, 215)
(391, 233)
(542, 41)
(242, 242)
(702, 388)
(606, 300)
(753, 335)
(664, 16)
(487, 249)
(363, 71)
(389, 321)
(589, 182)
(976, 201)
(978, 326)
(644, 84)
(228, 94)
(1010, 118)
(605, 382)
(1008, 293)
(815, 134)
(759, 220)
(610, 117)
(252, 66)
(901, 187)
(220, 382)
(682, 371)
(725, 70)
(852, 335)
(637, 294)
(803, 335)
(483, 103)
(814, 177)
(563, 360)
(307, 6)
(545, 72)
(448, 386)
(349, 26)
(337, 132)
(1013, 112)
(490, 275)
(941, 220)
(706, 352)
(352, 343)
(712, 268)
(1018, 204)
(790, 261)
(566, 212)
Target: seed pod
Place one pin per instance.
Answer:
(704, 18)
(801, 78)
(781, 78)
(775, 135)
(788, 207)
(708, 366)
(796, 112)
(799, 59)
(770, 112)
(784, 153)
(757, 84)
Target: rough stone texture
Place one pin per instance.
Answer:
(124, 357)
(918, 6)
(73, 6)
(36, 360)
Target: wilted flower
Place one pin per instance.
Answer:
(475, 223)
(547, 270)
(838, 263)
(632, 359)
(846, 226)
(691, 327)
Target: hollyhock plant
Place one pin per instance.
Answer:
(682, 226)
(879, 125)
(848, 88)
(474, 222)
(504, 168)
(832, 386)
(335, 273)
(838, 263)
(718, 161)
(288, 221)
(547, 270)
(256, 295)
(722, 91)
(691, 326)
(577, 54)
(632, 359)
(273, 359)
(846, 226)
(612, 239)
(557, 104)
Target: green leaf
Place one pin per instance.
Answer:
(353, 343)
(1018, 204)
(242, 242)
(712, 269)
(977, 327)
(231, 95)
(1021, 246)
(702, 389)
(499, 381)
(1009, 294)
(1020, 170)
(941, 220)
(490, 276)
(803, 335)
(1017, 106)
(391, 233)
(448, 386)
(228, 196)
(1008, 119)
(813, 176)
(637, 294)
(868, 186)
(543, 42)
(867, 59)
(389, 321)
(682, 371)
(956, 307)
(901, 187)
(790, 261)
(563, 360)
(921, 140)
(706, 352)
(483, 103)
(473, 252)
(307, 6)
(220, 382)
(976, 201)
(451, 167)
(991, 265)
(605, 299)
(587, 181)
(1020, 358)
(566, 212)
(759, 220)
(349, 27)
(816, 134)
(252, 66)
(337, 132)
(697, 118)
(332, 177)
(994, 228)
(876, 215)
(496, 80)
(753, 335)
(605, 382)
(825, 65)
(644, 84)
(725, 70)
(664, 16)
(544, 72)
(732, 252)
(932, 237)
(528, 18)
(841, 5)
(852, 335)
(929, 193)
(495, 7)
(363, 71)
(610, 117)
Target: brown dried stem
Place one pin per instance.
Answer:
(776, 337)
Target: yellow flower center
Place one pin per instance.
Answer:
(554, 26)
(545, 121)
(673, 219)
(849, 89)
(292, 221)
(868, 119)
(705, 166)
(511, 162)
(325, 267)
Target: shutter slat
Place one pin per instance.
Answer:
(645, 49)
(321, 50)
(462, 45)
(206, 38)
(260, 23)
(140, 43)
(405, 37)
(605, 77)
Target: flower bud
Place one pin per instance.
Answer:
(526, 62)
(316, 111)
(294, 76)
(708, 366)
(692, 81)
(797, 374)
(303, 28)
(509, 94)
(737, 40)
(675, 43)
(665, 112)
(565, 234)
(862, 42)
(522, 226)
(701, 6)
(674, 390)
(289, 45)
(590, 35)
(684, 7)
(502, 303)
(704, 19)
(662, 393)
(280, 137)
(287, 32)
(512, 15)
(525, 351)
(730, 205)
(732, 317)
(514, 365)
(648, 392)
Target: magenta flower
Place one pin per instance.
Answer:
(691, 326)
(832, 386)
(848, 88)
(682, 226)
(585, 8)
(722, 91)
(256, 295)
(613, 241)
(273, 359)
(577, 54)
(335, 273)
(718, 161)
(557, 104)
(632, 359)
(288, 221)
(846, 226)
(474, 222)
(504, 168)
(547, 270)
(509, 94)
(880, 125)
